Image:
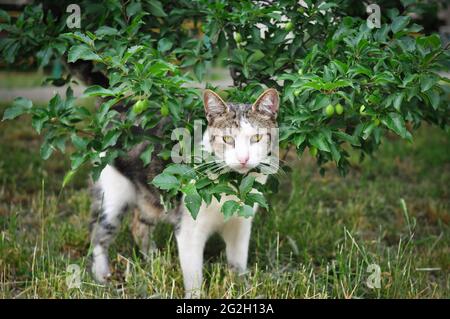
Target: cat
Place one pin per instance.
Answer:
(234, 136)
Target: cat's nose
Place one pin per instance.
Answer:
(243, 160)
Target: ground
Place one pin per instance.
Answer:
(317, 241)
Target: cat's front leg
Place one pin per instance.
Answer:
(236, 234)
(191, 238)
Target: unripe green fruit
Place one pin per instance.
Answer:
(165, 110)
(329, 110)
(362, 109)
(237, 37)
(140, 106)
(289, 26)
(339, 109)
(376, 122)
(300, 71)
(313, 151)
(297, 92)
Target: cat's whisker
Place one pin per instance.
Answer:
(271, 168)
(219, 168)
(202, 165)
(213, 167)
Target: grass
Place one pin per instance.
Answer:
(323, 232)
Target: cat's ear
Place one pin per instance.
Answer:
(213, 104)
(268, 103)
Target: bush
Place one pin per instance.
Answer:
(341, 83)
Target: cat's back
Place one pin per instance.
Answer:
(131, 164)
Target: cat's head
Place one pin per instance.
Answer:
(241, 136)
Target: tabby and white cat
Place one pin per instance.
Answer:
(234, 136)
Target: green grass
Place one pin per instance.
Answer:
(391, 210)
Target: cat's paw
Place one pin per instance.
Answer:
(238, 269)
(100, 271)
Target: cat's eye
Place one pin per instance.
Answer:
(228, 139)
(256, 138)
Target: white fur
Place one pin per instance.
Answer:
(117, 192)
(193, 235)
(243, 147)
(100, 265)
(120, 189)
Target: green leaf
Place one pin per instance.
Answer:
(20, 106)
(253, 198)
(353, 140)
(199, 70)
(246, 211)
(359, 69)
(299, 139)
(320, 142)
(189, 188)
(146, 155)
(43, 56)
(400, 23)
(325, 6)
(369, 127)
(246, 185)
(38, 122)
(337, 84)
(159, 68)
(46, 150)
(164, 45)
(193, 202)
(189, 61)
(82, 52)
(434, 98)
(68, 177)
(55, 104)
(156, 8)
(60, 143)
(79, 142)
(229, 208)
(81, 37)
(76, 160)
(166, 181)
(335, 154)
(133, 8)
(111, 138)
(427, 81)
(398, 101)
(396, 123)
(105, 30)
(181, 170)
(432, 41)
(222, 189)
(256, 56)
(97, 90)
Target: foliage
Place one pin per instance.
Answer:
(342, 84)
